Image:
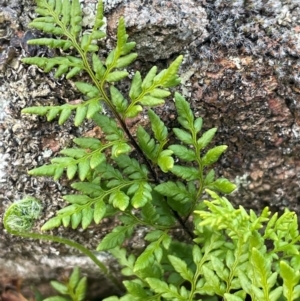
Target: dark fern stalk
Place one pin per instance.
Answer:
(60, 19)
(19, 220)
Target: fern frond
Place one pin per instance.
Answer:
(132, 168)
(118, 100)
(64, 64)
(159, 129)
(147, 144)
(109, 127)
(118, 235)
(76, 160)
(176, 190)
(149, 92)
(83, 110)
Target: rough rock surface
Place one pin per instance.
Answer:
(162, 28)
(241, 73)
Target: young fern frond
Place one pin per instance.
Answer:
(19, 220)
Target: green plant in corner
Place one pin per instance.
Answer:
(150, 178)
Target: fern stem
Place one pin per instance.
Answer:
(122, 123)
(74, 245)
(8, 220)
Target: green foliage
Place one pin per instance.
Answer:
(152, 178)
(72, 290)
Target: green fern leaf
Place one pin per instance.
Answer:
(87, 217)
(87, 142)
(62, 69)
(61, 288)
(75, 276)
(41, 111)
(219, 268)
(76, 18)
(186, 117)
(165, 160)
(213, 155)
(66, 221)
(161, 287)
(121, 36)
(52, 113)
(176, 190)
(99, 15)
(83, 169)
(52, 223)
(136, 86)
(290, 281)
(99, 211)
(76, 219)
(158, 127)
(77, 199)
(133, 111)
(132, 168)
(127, 48)
(80, 115)
(198, 124)
(91, 189)
(146, 258)
(183, 152)
(97, 159)
(159, 93)
(108, 172)
(148, 80)
(45, 170)
(94, 107)
(98, 34)
(64, 115)
(213, 281)
(169, 77)
(118, 100)
(141, 194)
(149, 213)
(151, 101)
(231, 297)
(126, 60)
(71, 171)
(205, 139)
(58, 173)
(51, 43)
(116, 76)
(181, 267)
(147, 144)
(80, 290)
(46, 27)
(76, 153)
(116, 237)
(136, 289)
(66, 12)
(183, 136)
(120, 148)
(186, 173)
(222, 185)
(87, 89)
(98, 67)
(119, 200)
(109, 127)
(209, 177)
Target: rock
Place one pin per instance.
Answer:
(241, 74)
(161, 28)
